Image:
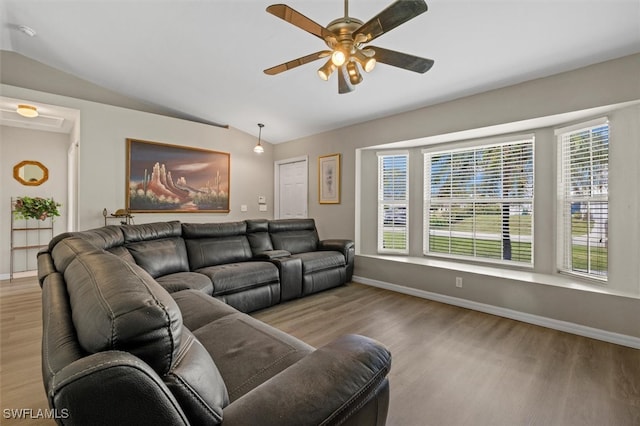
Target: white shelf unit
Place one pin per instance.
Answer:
(28, 237)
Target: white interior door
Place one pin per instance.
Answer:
(291, 188)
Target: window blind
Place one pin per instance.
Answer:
(479, 202)
(393, 201)
(583, 190)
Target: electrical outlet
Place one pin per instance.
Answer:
(459, 282)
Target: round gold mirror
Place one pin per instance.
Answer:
(31, 173)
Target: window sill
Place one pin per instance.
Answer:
(494, 271)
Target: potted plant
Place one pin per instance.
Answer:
(35, 208)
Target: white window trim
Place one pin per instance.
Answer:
(381, 202)
(581, 126)
(561, 220)
(465, 146)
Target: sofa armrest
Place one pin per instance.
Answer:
(343, 246)
(271, 254)
(329, 386)
(348, 250)
(112, 387)
(290, 271)
(45, 265)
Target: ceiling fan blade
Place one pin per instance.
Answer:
(344, 85)
(297, 62)
(395, 14)
(402, 60)
(296, 18)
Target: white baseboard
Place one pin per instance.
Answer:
(580, 330)
(17, 275)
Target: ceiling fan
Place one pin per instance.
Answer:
(346, 38)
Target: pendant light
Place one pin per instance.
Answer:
(258, 149)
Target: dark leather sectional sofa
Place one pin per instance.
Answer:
(146, 324)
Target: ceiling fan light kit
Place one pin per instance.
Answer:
(345, 38)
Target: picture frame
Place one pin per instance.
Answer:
(164, 178)
(329, 179)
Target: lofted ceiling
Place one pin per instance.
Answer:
(204, 58)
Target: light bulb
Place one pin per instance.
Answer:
(354, 75)
(338, 58)
(326, 70)
(367, 63)
(258, 149)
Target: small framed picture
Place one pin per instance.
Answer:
(329, 179)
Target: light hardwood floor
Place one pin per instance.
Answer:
(451, 366)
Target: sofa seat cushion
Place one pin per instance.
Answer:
(253, 299)
(317, 261)
(186, 280)
(198, 309)
(252, 351)
(234, 277)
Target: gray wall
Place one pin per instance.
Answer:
(614, 308)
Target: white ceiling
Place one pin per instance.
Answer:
(205, 58)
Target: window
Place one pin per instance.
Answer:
(583, 205)
(393, 202)
(479, 202)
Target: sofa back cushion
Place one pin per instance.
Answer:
(258, 235)
(109, 238)
(151, 231)
(210, 244)
(105, 238)
(67, 249)
(160, 257)
(116, 305)
(157, 247)
(294, 235)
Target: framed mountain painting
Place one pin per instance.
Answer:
(163, 178)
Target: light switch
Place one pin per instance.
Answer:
(243, 208)
(263, 207)
(262, 199)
